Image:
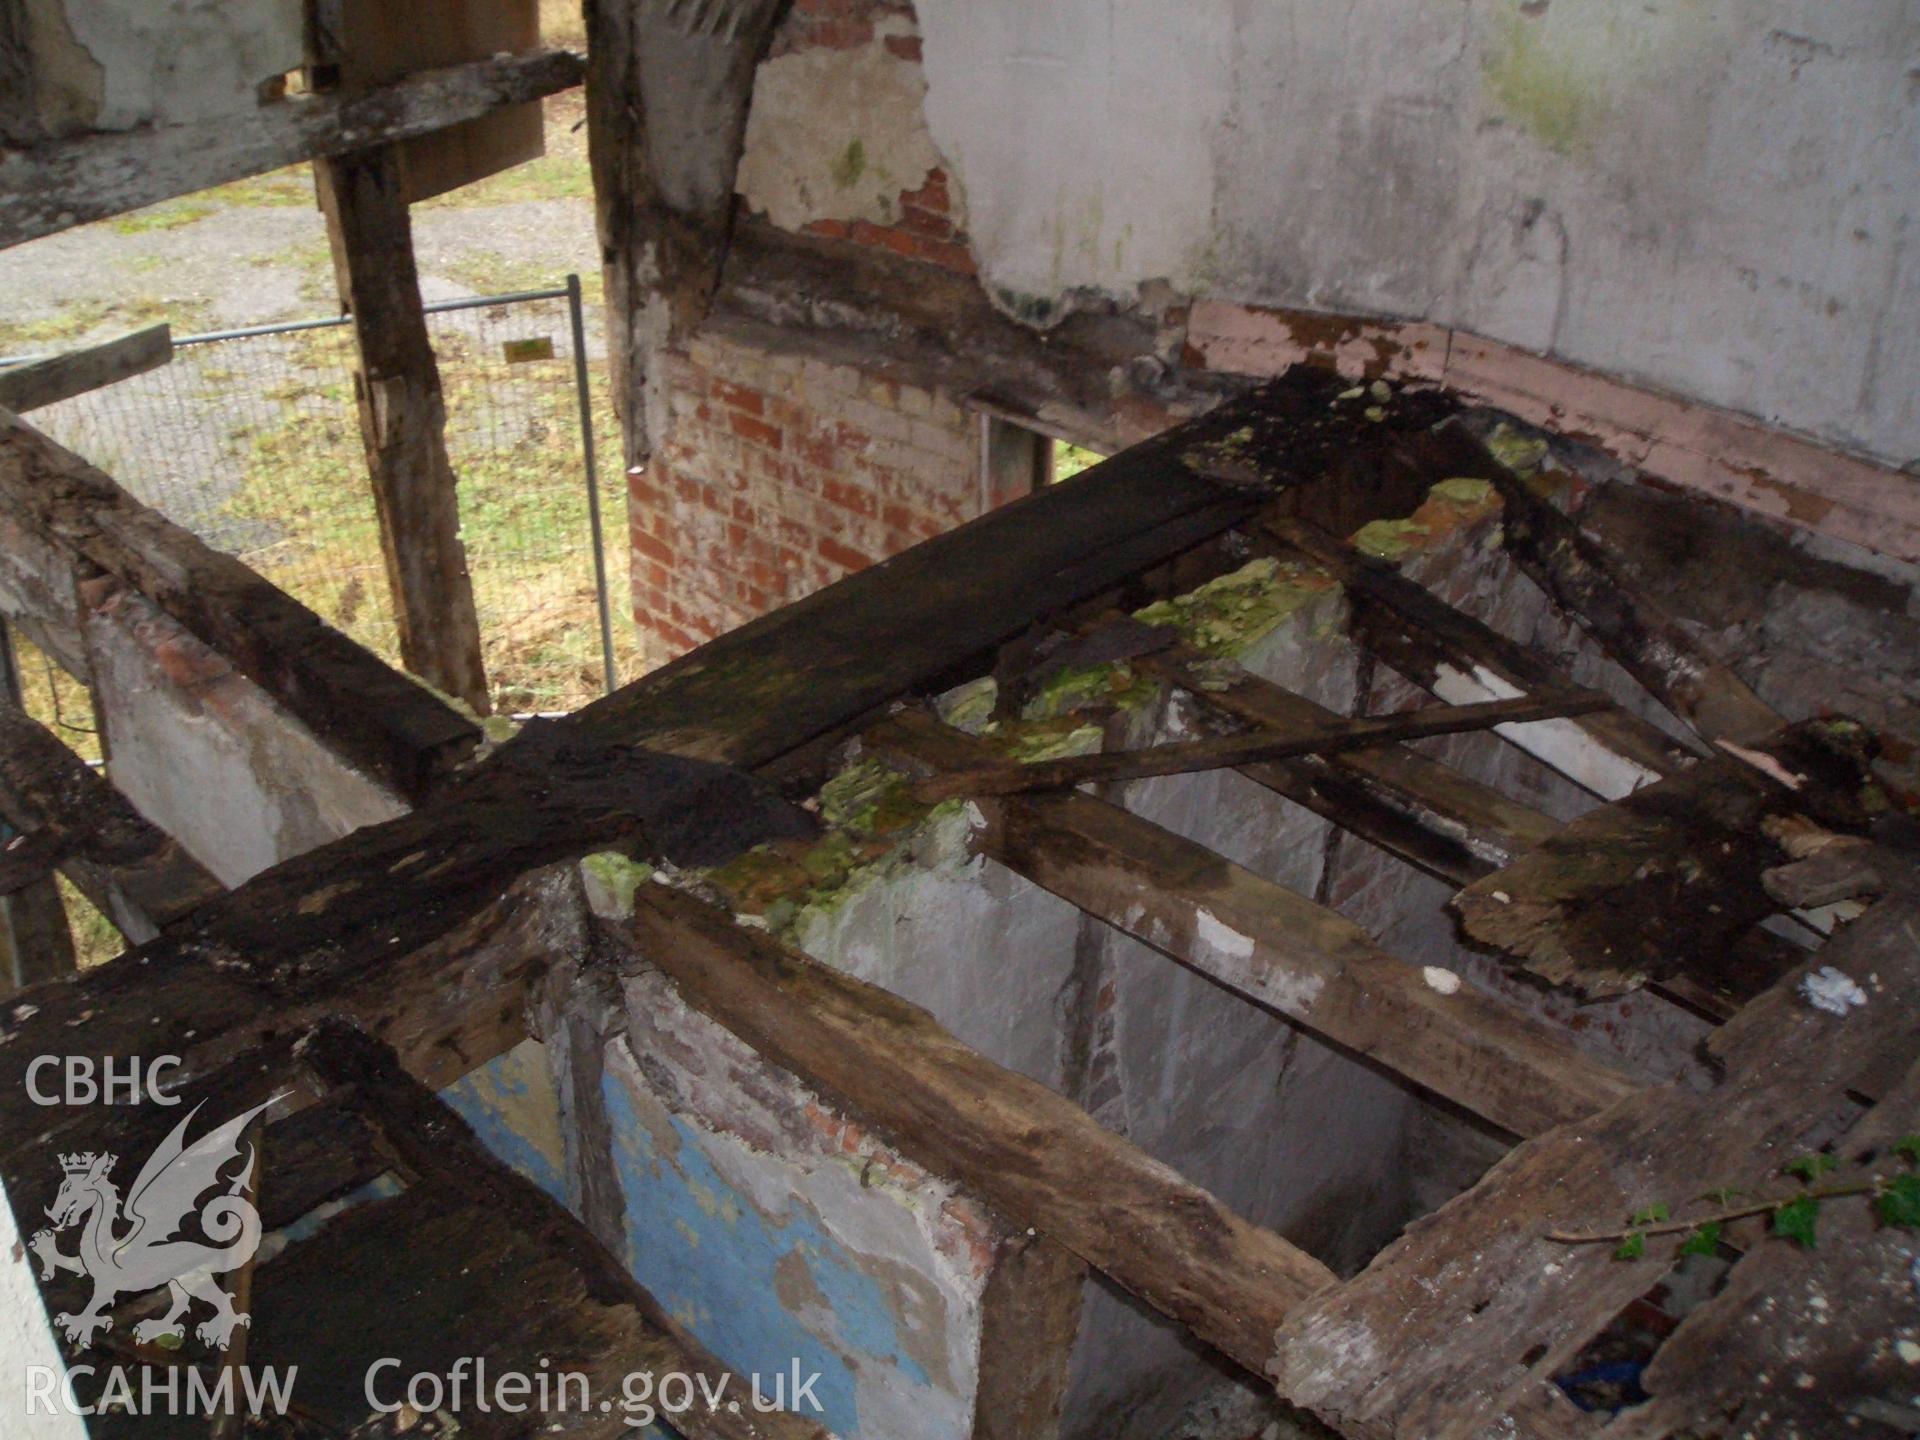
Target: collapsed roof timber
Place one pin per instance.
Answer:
(1355, 903)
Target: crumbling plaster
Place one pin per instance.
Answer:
(837, 134)
(1712, 199)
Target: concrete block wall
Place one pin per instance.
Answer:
(780, 474)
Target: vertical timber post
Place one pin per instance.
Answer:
(36, 943)
(403, 422)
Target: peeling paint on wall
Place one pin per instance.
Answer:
(778, 1231)
(512, 1106)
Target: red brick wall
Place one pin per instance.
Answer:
(781, 474)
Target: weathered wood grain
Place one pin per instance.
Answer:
(1669, 878)
(65, 183)
(1459, 1326)
(1223, 752)
(403, 422)
(1038, 1158)
(1460, 659)
(61, 377)
(136, 875)
(1279, 949)
(352, 701)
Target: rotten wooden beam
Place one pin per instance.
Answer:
(403, 419)
(1585, 582)
(77, 518)
(1427, 813)
(1468, 1317)
(1036, 1157)
(36, 383)
(1460, 659)
(1223, 752)
(135, 874)
(1667, 879)
(53, 187)
(1279, 949)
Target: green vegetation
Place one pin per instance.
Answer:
(83, 319)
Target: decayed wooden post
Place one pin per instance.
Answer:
(36, 942)
(403, 422)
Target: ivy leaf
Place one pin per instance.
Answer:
(1631, 1248)
(1810, 1167)
(1704, 1241)
(1652, 1215)
(1909, 1146)
(1794, 1220)
(1899, 1203)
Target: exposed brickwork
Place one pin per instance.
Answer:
(925, 231)
(781, 475)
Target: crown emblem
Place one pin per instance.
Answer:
(78, 1164)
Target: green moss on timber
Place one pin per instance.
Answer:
(1522, 454)
(969, 707)
(615, 877)
(1053, 739)
(1227, 615)
(1463, 491)
(1388, 539)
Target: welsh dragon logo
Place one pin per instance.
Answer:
(137, 1249)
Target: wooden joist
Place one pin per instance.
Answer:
(402, 734)
(1460, 659)
(778, 682)
(1457, 1329)
(1223, 752)
(1427, 813)
(65, 183)
(1036, 1157)
(1279, 949)
(1634, 627)
(35, 383)
(1666, 881)
(135, 874)
(403, 421)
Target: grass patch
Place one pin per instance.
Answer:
(82, 319)
(561, 174)
(278, 188)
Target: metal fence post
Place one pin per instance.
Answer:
(576, 314)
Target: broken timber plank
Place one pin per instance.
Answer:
(1460, 659)
(406, 737)
(403, 422)
(772, 685)
(1654, 885)
(1279, 949)
(1636, 630)
(1471, 1313)
(65, 183)
(1427, 813)
(35, 383)
(1038, 1158)
(1229, 751)
(1744, 1356)
(136, 875)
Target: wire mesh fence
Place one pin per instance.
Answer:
(251, 439)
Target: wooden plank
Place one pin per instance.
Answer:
(403, 420)
(59, 185)
(1427, 813)
(1279, 949)
(379, 44)
(1474, 1309)
(135, 874)
(352, 701)
(1461, 659)
(1029, 1320)
(61, 377)
(1039, 1159)
(1222, 752)
(1801, 1342)
(1634, 627)
(1653, 885)
(774, 684)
